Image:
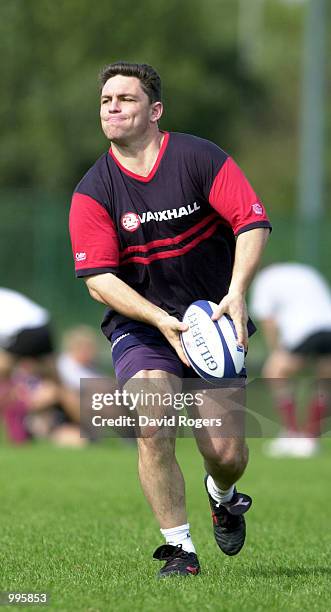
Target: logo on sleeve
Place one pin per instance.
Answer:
(257, 208)
(80, 256)
(130, 221)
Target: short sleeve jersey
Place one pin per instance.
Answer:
(169, 235)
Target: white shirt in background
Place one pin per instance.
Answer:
(296, 297)
(70, 371)
(17, 312)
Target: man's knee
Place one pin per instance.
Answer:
(228, 456)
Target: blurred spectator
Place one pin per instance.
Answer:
(33, 401)
(293, 303)
(78, 357)
(13, 408)
(78, 360)
(24, 325)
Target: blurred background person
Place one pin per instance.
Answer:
(26, 341)
(78, 357)
(13, 408)
(293, 304)
(24, 325)
(78, 360)
(34, 403)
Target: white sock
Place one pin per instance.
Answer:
(218, 494)
(179, 535)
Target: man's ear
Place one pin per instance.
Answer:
(156, 111)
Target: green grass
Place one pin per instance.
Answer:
(74, 523)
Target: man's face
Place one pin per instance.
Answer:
(126, 112)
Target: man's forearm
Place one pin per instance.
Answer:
(113, 292)
(249, 249)
(110, 290)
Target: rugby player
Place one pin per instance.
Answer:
(160, 220)
(293, 303)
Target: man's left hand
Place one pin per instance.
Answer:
(234, 304)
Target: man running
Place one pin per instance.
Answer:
(160, 220)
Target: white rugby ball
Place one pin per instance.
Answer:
(211, 346)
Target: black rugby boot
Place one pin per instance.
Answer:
(178, 561)
(229, 522)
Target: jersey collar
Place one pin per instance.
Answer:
(139, 177)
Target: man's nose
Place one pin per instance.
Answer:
(114, 105)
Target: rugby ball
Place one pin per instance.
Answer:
(211, 346)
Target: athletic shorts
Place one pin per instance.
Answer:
(318, 344)
(137, 346)
(34, 342)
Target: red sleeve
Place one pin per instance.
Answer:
(234, 199)
(93, 237)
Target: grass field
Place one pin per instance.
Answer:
(74, 523)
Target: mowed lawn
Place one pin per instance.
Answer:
(74, 523)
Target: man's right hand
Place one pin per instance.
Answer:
(170, 327)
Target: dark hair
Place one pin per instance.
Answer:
(148, 77)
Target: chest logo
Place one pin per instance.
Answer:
(130, 221)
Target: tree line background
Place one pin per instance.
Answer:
(236, 83)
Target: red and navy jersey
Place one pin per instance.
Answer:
(169, 235)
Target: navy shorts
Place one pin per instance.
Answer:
(137, 346)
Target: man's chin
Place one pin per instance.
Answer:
(117, 138)
(122, 138)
